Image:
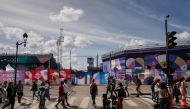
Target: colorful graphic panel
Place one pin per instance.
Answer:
(9, 76)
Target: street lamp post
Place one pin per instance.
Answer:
(25, 36)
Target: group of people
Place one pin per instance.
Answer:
(43, 92)
(164, 95)
(63, 94)
(9, 91)
(45, 86)
(117, 91)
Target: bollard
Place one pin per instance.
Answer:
(183, 100)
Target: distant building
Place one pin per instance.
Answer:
(147, 61)
(28, 62)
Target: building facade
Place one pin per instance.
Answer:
(148, 62)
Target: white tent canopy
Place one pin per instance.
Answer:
(9, 68)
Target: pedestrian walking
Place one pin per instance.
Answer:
(164, 96)
(61, 95)
(138, 84)
(126, 84)
(176, 92)
(1, 93)
(93, 92)
(109, 86)
(106, 102)
(4, 92)
(121, 94)
(42, 98)
(11, 93)
(183, 86)
(34, 89)
(19, 88)
(113, 85)
(156, 89)
(66, 92)
(47, 90)
(152, 87)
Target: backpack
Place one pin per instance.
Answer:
(139, 82)
(42, 96)
(152, 86)
(123, 93)
(93, 88)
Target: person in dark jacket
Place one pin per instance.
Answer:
(19, 91)
(138, 84)
(93, 91)
(121, 94)
(34, 89)
(11, 93)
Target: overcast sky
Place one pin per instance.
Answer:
(91, 27)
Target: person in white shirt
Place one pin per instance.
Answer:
(157, 88)
(66, 91)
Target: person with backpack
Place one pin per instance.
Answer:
(121, 94)
(138, 84)
(93, 92)
(19, 91)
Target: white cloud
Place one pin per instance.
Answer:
(136, 43)
(13, 32)
(34, 37)
(184, 36)
(81, 42)
(1, 24)
(67, 14)
(6, 48)
(75, 42)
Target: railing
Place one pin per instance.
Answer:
(124, 49)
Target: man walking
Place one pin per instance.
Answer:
(19, 91)
(121, 94)
(11, 93)
(93, 91)
(34, 89)
(126, 84)
(61, 95)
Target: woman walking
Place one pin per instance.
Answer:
(93, 92)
